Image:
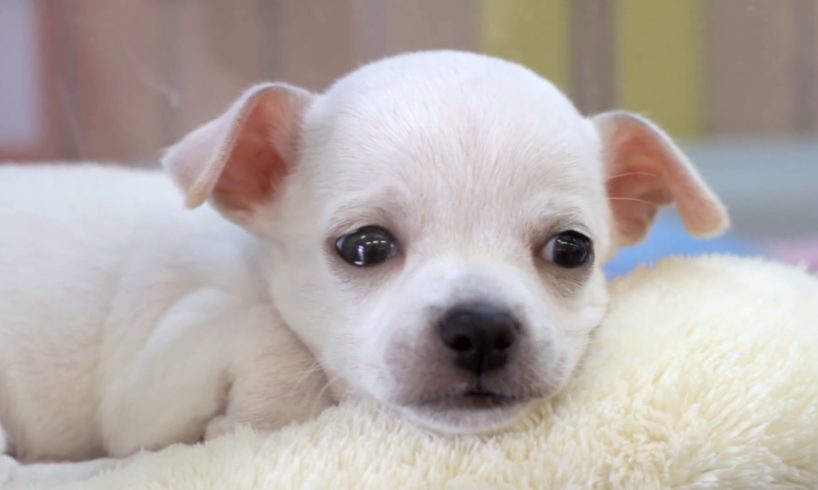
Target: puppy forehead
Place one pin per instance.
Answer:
(453, 126)
(450, 95)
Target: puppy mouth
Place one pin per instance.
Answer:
(470, 400)
(473, 411)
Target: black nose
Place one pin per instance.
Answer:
(480, 335)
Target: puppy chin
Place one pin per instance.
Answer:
(466, 418)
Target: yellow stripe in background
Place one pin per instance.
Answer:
(660, 62)
(532, 32)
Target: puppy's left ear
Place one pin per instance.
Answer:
(646, 170)
(240, 159)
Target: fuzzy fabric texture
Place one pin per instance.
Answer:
(704, 375)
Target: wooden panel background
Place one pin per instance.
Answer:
(593, 55)
(124, 78)
(532, 32)
(659, 46)
(751, 66)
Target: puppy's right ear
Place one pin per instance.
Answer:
(240, 159)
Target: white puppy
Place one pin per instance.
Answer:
(431, 230)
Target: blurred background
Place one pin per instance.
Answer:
(735, 81)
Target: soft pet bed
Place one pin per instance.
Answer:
(704, 375)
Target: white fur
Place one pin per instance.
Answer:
(702, 377)
(128, 323)
(117, 333)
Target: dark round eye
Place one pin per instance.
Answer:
(569, 249)
(367, 246)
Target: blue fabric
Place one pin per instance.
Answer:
(669, 237)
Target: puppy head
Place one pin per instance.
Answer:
(435, 224)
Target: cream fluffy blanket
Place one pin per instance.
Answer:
(704, 375)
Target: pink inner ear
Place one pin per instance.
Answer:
(636, 183)
(646, 171)
(257, 162)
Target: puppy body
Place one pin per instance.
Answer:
(127, 322)
(479, 205)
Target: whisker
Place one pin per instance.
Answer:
(312, 369)
(320, 395)
(305, 376)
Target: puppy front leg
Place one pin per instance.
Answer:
(13, 473)
(208, 366)
(48, 473)
(168, 389)
(277, 383)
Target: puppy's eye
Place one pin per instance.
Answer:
(367, 246)
(569, 249)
